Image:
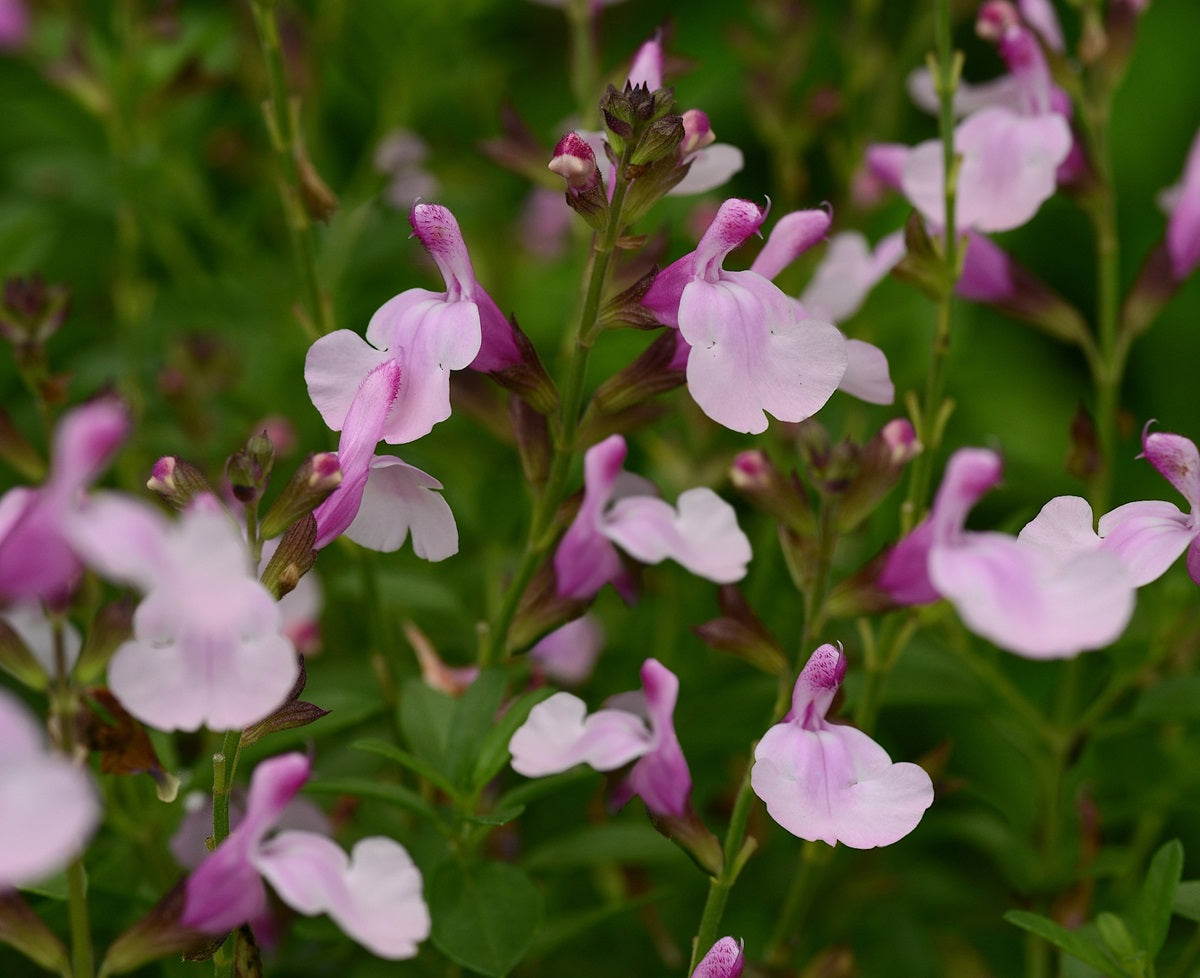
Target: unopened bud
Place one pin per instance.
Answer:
(317, 476)
(740, 632)
(294, 712)
(617, 111)
(32, 311)
(293, 558)
(17, 660)
(575, 162)
(693, 837)
(177, 482)
(755, 476)
(112, 626)
(661, 140)
(995, 19)
(881, 465)
(158, 934)
(697, 132)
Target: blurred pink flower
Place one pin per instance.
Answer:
(14, 25)
(618, 508)
(206, 648)
(48, 807)
(568, 654)
(830, 782)
(1182, 202)
(1048, 593)
(725, 959)
(37, 561)
(374, 895)
(635, 726)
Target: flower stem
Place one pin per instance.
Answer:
(814, 856)
(224, 768)
(285, 143)
(565, 449)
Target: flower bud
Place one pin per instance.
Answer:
(860, 593)
(881, 465)
(294, 712)
(575, 162)
(249, 469)
(697, 132)
(177, 482)
(617, 111)
(783, 497)
(527, 378)
(293, 558)
(725, 959)
(31, 311)
(741, 632)
(661, 140)
(692, 836)
(317, 476)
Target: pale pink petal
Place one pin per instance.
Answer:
(837, 785)
(703, 535)
(48, 807)
(1063, 528)
(1008, 169)
(736, 220)
(866, 375)
(1148, 536)
(886, 162)
(725, 959)
(305, 869)
(751, 355)
(969, 474)
(1183, 225)
(847, 273)
(905, 575)
(792, 235)
(661, 777)
(558, 735)
(647, 66)
(334, 368)
(1024, 600)
(1040, 15)
(710, 168)
(969, 97)
(568, 654)
(226, 891)
(85, 440)
(987, 272)
(123, 538)
(383, 908)
(664, 294)
(398, 498)
(585, 560)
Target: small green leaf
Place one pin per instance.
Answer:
(425, 719)
(1187, 900)
(485, 917)
(1118, 938)
(1152, 915)
(474, 714)
(1069, 941)
(415, 764)
(493, 752)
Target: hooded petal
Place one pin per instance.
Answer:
(661, 778)
(1177, 461)
(703, 535)
(750, 354)
(736, 220)
(399, 497)
(792, 235)
(558, 735)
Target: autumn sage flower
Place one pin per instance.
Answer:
(725, 959)
(701, 533)
(831, 782)
(373, 895)
(1048, 593)
(636, 726)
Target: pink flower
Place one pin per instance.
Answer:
(831, 782)
(207, 647)
(14, 25)
(374, 895)
(845, 276)
(1182, 202)
(568, 654)
(702, 534)
(37, 561)
(637, 726)
(725, 959)
(1149, 536)
(48, 807)
(381, 498)
(428, 333)
(751, 352)
(1048, 593)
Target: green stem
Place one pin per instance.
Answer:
(584, 61)
(720, 885)
(285, 143)
(814, 856)
(565, 449)
(224, 768)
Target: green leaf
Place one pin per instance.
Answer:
(1119, 940)
(1187, 900)
(394, 794)
(1069, 941)
(425, 719)
(624, 842)
(498, 817)
(535, 788)
(493, 752)
(410, 761)
(485, 917)
(474, 714)
(1152, 915)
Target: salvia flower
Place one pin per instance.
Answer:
(831, 782)
(428, 333)
(701, 533)
(725, 959)
(1048, 593)
(373, 895)
(750, 351)
(48, 807)
(1150, 535)
(207, 648)
(638, 726)
(37, 561)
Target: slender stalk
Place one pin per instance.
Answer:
(224, 768)
(933, 408)
(565, 449)
(814, 856)
(288, 150)
(584, 60)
